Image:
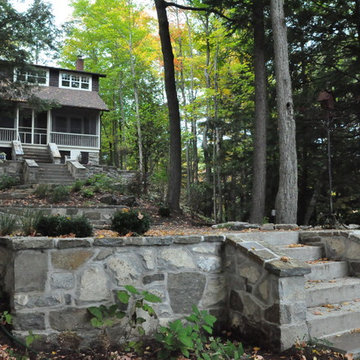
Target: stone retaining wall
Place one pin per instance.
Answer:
(242, 279)
(98, 216)
(51, 282)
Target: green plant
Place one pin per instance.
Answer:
(7, 224)
(42, 191)
(87, 193)
(164, 211)
(62, 225)
(7, 182)
(104, 316)
(28, 221)
(77, 186)
(59, 193)
(192, 337)
(125, 221)
(5, 318)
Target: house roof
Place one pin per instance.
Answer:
(69, 97)
(68, 70)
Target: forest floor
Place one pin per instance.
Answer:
(177, 224)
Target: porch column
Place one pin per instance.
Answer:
(32, 125)
(98, 129)
(17, 122)
(48, 126)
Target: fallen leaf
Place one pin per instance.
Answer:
(284, 259)
(318, 313)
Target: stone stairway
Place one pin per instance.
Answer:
(54, 174)
(39, 155)
(332, 297)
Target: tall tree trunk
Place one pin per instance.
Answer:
(205, 145)
(136, 98)
(287, 196)
(174, 183)
(184, 102)
(261, 114)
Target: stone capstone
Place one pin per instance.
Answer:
(185, 289)
(93, 285)
(70, 259)
(30, 270)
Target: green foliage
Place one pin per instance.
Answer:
(77, 186)
(200, 198)
(8, 224)
(62, 225)
(59, 193)
(125, 221)
(42, 191)
(6, 182)
(192, 338)
(29, 220)
(164, 211)
(87, 193)
(104, 316)
(5, 318)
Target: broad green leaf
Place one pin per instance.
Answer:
(151, 298)
(123, 296)
(96, 312)
(131, 289)
(208, 329)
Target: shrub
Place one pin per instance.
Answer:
(59, 193)
(7, 182)
(42, 191)
(62, 225)
(28, 221)
(77, 186)
(7, 224)
(87, 193)
(164, 211)
(130, 221)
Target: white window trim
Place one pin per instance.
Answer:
(47, 78)
(75, 74)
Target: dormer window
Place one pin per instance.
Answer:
(75, 81)
(36, 77)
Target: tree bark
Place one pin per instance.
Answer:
(261, 114)
(287, 196)
(174, 182)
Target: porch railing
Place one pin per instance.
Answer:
(81, 140)
(7, 134)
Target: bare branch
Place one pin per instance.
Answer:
(208, 10)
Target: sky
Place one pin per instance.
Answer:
(61, 9)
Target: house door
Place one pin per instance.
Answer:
(32, 126)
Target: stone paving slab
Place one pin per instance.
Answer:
(348, 343)
(332, 291)
(325, 321)
(328, 270)
(305, 253)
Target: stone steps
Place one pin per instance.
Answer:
(332, 297)
(54, 174)
(39, 155)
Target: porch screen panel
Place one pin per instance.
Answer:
(7, 123)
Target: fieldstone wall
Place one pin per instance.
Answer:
(12, 168)
(97, 215)
(52, 282)
(124, 176)
(266, 297)
(338, 245)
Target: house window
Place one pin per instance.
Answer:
(36, 77)
(74, 81)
